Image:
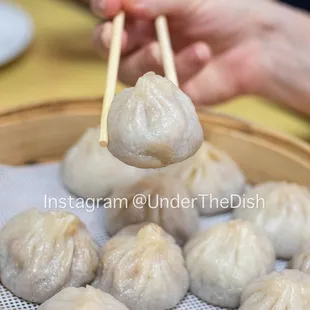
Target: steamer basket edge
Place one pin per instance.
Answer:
(43, 132)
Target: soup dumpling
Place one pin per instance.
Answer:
(288, 289)
(41, 253)
(153, 124)
(90, 171)
(283, 211)
(82, 298)
(301, 261)
(162, 202)
(145, 270)
(222, 261)
(212, 173)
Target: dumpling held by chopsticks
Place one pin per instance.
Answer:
(153, 124)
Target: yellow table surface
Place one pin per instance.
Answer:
(62, 64)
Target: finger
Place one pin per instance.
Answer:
(110, 8)
(217, 82)
(140, 62)
(105, 8)
(102, 39)
(143, 8)
(153, 8)
(136, 34)
(192, 60)
(188, 62)
(141, 31)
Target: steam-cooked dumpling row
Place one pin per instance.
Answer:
(41, 253)
(162, 203)
(144, 270)
(286, 290)
(90, 171)
(153, 124)
(283, 211)
(225, 259)
(212, 173)
(82, 298)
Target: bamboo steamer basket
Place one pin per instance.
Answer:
(43, 132)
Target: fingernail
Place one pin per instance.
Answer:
(100, 4)
(106, 37)
(202, 51)
(98, 7)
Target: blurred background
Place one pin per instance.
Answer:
(46, 54)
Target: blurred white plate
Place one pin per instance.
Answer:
(16, 31)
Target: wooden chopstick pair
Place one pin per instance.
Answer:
(163, 36)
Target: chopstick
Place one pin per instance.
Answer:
(112, 72)
(167, 54)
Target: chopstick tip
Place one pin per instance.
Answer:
(103, 143)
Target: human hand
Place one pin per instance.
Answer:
(223, 48)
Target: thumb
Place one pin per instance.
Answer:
(146, 8)
(154, 8)
(219, 81)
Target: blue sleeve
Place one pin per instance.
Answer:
(301, 4)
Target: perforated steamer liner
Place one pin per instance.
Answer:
(42, 133)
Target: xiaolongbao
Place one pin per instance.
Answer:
(82, 298)
(301, 261)
(144, 270)
(212, 177)
(289, 289)
(226, 258)
(153, 124)
(41, 253)
(157, 198)
(90, 171)
(283, 211)
(132, 229)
